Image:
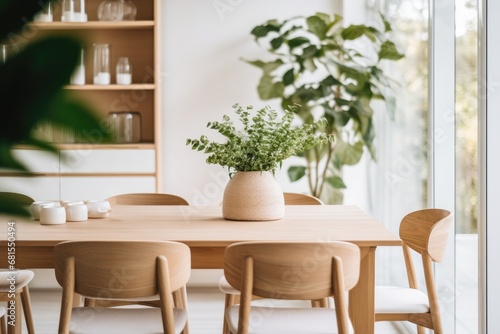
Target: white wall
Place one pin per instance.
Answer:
(203, 44)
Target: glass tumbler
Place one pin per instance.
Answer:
(102, 56)
(73, 11)
(123, 71)
(125, 126)
(117, 10)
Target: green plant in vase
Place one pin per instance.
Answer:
(252, 153)
(333, 72)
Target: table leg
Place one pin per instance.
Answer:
(362, 296)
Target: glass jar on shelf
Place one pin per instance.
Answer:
(125, 126)
(116, 10)
(123, 71)
(73, 11)
(102, 56)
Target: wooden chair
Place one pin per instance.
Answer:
(301, 199)
(3, 322)
(121, 269)
(291, 271)
(426, 232)
(22, 296)
(147, 199)
(232, 294)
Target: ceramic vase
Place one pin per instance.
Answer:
(253, 196)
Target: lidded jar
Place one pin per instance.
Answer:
(117, 10)
(125, 126)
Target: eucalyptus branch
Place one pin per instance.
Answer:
(263, 143)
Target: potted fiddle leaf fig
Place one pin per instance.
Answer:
(334, 72)
(252, 153)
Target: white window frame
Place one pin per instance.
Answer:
(489, 166)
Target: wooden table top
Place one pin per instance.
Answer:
(203, 226)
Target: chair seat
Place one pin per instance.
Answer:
(392, 299)
(227, 288)
(23, 277)
(105, 320)
(277, 320)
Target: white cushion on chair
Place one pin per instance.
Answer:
(106, 320)
(227, 288)
(277, 320)
(23, 277)
(392, 299)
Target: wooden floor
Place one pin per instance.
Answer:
(205, 312)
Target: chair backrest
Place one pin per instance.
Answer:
(427, 231)
(301, 199)
(291, 270)
(147, 199)
(121, 269)
(18, 198)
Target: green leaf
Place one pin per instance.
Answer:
(348, 154)
(29, 82)
(353, 32)
(277, 42)
(310, 51)
(75, 114)
(14, 14)
(7, 159)
(324, 17)
(317, 26)
(330, 81)
(263, 30)
(387, 25)
(12, 207)
(288, 77)
(336, 182)
(256, 63)
(389, 51)
(268, 89)
(295, 173)
(297, 41)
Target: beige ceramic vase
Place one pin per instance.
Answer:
(253, 196)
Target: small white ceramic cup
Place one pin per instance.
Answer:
(98, 208)
(66, 202)
(36, 207)
(52, 215)
(76, 212)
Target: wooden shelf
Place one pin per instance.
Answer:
(108, 146)
(90, 25)
(112, 87)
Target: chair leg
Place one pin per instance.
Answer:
(229, 301)
(3, 325)
(180, 301)
(25, 296)
(18, 325)
(421, 330)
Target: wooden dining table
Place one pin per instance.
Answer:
(207, 234)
